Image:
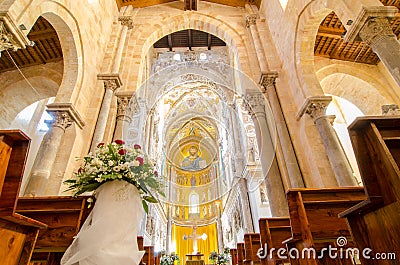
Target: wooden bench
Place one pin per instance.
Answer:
(252, 244)
(375, 222)
(18, 233)
(273, 232)
(234, 259)
(64, 216)
(240, 253)
(315, 223)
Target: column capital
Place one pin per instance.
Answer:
(390, 109)
(254, 103)
(124, 106)
(315, 107)
(126, 21)
(11, 36)
(250, 20)
(369, 23)
(267, 80)
(64, 115)
(111, 81)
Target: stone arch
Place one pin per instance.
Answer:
(362, 89)
(70, 39)
(232, 37)
(305, 33)
(20, 94)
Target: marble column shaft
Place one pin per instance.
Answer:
(285, 150)
(244, 195)
(316, 108)
(275, 191)
(47, 154)
(110, 86)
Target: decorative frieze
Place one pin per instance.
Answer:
(111, 81)
(315, 107)
(390, 109)
(64, 114)
(376, 29)
(267, 80)
(126, 21)
(251, 20)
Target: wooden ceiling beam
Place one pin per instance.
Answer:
(190, 39)
(209, 41)
(170, 42)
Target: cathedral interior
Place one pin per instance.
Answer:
(249, 108)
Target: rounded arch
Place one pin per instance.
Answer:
(356, 90)
(20, 94)
(361, 85)
(305, 33)
(232, 37)
(70, 39)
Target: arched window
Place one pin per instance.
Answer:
(194, 203)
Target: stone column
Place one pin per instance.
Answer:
(251, 23)
(111, 83)
(255, 104)
(64, 114)
(246, 207)
(373, 27)
(237, 138)
(126, 106)
(316, 108)
(220, 232)
(285, 150)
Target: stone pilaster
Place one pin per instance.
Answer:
(255, 104)
(315, 107)
(64, 115)
(111, 83)
(373, 27)
(251, 24)
(285, 151)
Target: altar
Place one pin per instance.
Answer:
(194, 259)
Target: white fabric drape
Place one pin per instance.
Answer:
(109, 234)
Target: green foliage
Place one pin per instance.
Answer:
(116, 161)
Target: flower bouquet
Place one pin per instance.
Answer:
(169, 259)
(220, 258)
(116, 161)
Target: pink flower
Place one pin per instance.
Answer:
(136, 146)
(140, 159)
(119, 142)
(100, 144)
(122, 151)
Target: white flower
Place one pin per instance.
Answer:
(110, 163)
(116, 168)
(135, 163)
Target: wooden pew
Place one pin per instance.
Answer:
(273, 232)
(252, 244)
(148, 257)
(18, 233)
(64, 216)
(234, 258)
(375, 222)
(240, 253)
(315, 223)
